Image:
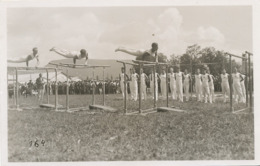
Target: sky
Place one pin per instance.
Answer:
(100, 30)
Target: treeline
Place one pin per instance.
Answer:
(195, 57)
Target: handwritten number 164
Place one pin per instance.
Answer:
(36, 143)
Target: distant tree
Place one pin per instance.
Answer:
(192, 55)
(199, 55)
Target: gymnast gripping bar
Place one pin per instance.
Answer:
(236, 56)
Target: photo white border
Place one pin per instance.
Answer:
(102, 3)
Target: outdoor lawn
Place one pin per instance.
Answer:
(204, 132)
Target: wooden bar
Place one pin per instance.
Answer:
(179, 65)
(77, 65)
(205, 64)
(128, 63)
(148, 65)
(235, 56)
(148, 62)
(35, 68)
(143, 62)
(249, 53)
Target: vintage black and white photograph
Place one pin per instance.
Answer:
(130, 83)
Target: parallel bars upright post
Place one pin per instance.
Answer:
(56, 90)
(93, 88)
(17, 89)
(246, 79)
(48, 89)
(67, 91)
(167, 90)
(250, 82)
(125, 83)
(14, 90)
(230, 84)
(104, 86)
(154, 85)
(140, 90)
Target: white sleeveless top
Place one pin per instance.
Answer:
(205, 79)
(163, 77)
(198, 78)
(211, 83)
(122, 77)
(142, 78)
(186, 78)
(224, 78)
(172, 77)
(134, 77)
(236, 78)
(179, 77)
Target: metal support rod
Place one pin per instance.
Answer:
(104, 86)
(67, 91)
(167, 90)
(230, 83)
(246, 80)
(56, 90)
(48, 88)
(140, 90)
(17, 89)
(93, 87)
(154, 86)
(125, 83)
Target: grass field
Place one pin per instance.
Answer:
(206, 132)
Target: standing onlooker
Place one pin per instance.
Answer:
(40, 87)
